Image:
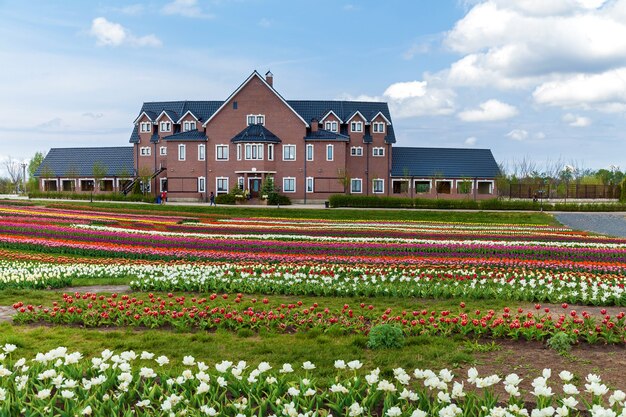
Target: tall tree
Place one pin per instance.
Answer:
(14, 169)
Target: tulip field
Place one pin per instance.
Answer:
(215, 277)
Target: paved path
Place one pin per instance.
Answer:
(611, 224)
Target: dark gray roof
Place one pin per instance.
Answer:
(256, 133)
(190, 135)
(443, 162)
(322, 134)
(134, 137)
(154, 138)
(307, 109)
(61, 162)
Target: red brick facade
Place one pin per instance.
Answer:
(352, 155)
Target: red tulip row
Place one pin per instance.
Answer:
(238, 312)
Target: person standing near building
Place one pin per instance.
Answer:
(211, 199)
(163, 196)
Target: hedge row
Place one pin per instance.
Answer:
(340, 200)
(96, 196)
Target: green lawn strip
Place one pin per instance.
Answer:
(329, 214)
(321, 349)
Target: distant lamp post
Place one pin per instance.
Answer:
(24, 177)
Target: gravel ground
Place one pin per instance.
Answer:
(606, 224)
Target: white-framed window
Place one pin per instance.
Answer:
(145, 151)
(221, 152)
(254, 151)
(310, 184)
(146, 187)
(221, 185)
(255, 119)
(289, 152)
(240, 182)
(201, 152)
(166, 127)
(356, 185)
(309, 151)
(270, 152)
(378, 127)
(163, 151)
(332, 126)
(356, 151)
(289, 185)
(145, 127)
(464, 186)
(162, 184)
(239, 151)
(443, 186)
(378, 151)
(356, 126)
(422, 185)
(484, 187)
(182, 152)
(201, 185)
(330, 152)
(189, 125)
(378, 186)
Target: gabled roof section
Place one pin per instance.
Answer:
(256, 74)
(63, 162)
(255, 133)
(154, 138)
(322, 134)
(443, 163)
(354, 114)
(186, 113)
(170, 115)
(382, 115)
(189, 136)
(328, 114)
(134, 137)
(149, 114)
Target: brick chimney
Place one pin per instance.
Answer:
(314, 125)
(269, 78)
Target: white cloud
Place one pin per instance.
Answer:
(419, 98)
(490, 110)
(523, 43)
(471, 141)
(404, 90)
(576, 121)
(186, 8)
(540, 135)
(517, 134)
(113, 34)
(584, 89)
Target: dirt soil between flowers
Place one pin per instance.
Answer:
(529, 358)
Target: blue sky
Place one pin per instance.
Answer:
(528, 78)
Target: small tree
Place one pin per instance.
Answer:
(99, 171)
(144, 177)
(344, 179)
(33, 165)
(13, 168)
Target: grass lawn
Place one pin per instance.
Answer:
(330, 214)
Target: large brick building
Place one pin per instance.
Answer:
(311, 149)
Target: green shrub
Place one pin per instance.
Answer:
(275, 199)
(147, 198)
(622, 195)
(561, 342)
(225, 199)
(385, 336)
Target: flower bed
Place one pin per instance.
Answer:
(66, 383)
(239, 312)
